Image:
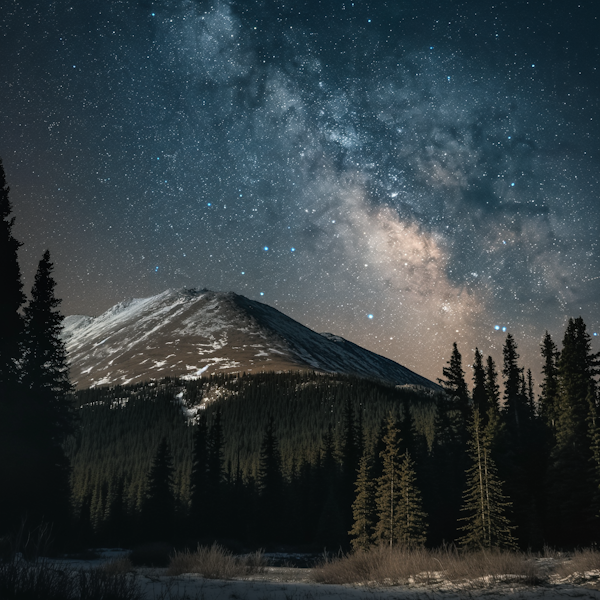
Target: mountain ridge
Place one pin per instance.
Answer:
(189, 333)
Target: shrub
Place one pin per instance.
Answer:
(117, 566)
(400, 565)
(215, 562)
(580, 562)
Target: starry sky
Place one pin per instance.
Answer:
(403, 174)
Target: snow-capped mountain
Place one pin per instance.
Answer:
(188, 333)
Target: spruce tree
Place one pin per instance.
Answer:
(363, 507)
(270, 484)
(198, 477)
(159, 504)
(387, 529)
(480, 397)
(530, 394)
(515, 404)
(47, 401)
(411, 517)
(215, 476)
(350, 458)
(13, 421)
(331, 529)
(485, 506)
(454, 383)
(571, 489)
(549, 395)
(45, 368)
(492, 388)
(11, 300)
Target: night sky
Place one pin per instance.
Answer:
(403, 174)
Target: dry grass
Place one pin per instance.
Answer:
(387, 566)
(117, 566)
(44, 580)
(215, 562)
(580, 562)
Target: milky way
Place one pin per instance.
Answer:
(404, 176)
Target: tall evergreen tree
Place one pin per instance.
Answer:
(198, 477)
(487, 525)
(11, 300)
(411, 517)
(45, 367)
(270, 484)
(571, 488)
(515, 408)
(549, 395)
(331, 528)
(159, 505)
(480, 397)
(13, 421)
(454, 383)
(363, 507)
(215, 475)
(350, 457)
(388, 528)
(492, 388)
(47, 402)
(530, 394)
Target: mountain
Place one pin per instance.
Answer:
(187, 333)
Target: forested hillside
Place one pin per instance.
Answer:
(311, 415)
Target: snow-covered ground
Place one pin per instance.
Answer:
(291, 583)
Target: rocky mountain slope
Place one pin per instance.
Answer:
(189, 333)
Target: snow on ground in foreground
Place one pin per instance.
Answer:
(288, 583)
(260, 588)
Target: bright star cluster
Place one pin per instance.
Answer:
(404, 175)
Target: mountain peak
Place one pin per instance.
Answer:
(193, 332)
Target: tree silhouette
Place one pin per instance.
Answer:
(47, 401)
(270, 484)
(454, 383)
(198, 477)
(13, 421)
(159, 504)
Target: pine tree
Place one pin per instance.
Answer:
(515, 404)
(571, 489)
(270, 484)
(363, 507)
(487, 525)
(411, 517)
(331, 529)
(594, 437)
(45, 367)
(13, 421)
(350, 458)
(530, 394)
(215, 475)
(47, 402)
(549, 396)
(159, 504)
(480, 397)
(198, 477)
(492, 388)
(11, 300)
(454, 383)
(387, 529)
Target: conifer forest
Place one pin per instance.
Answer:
(301, 460)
